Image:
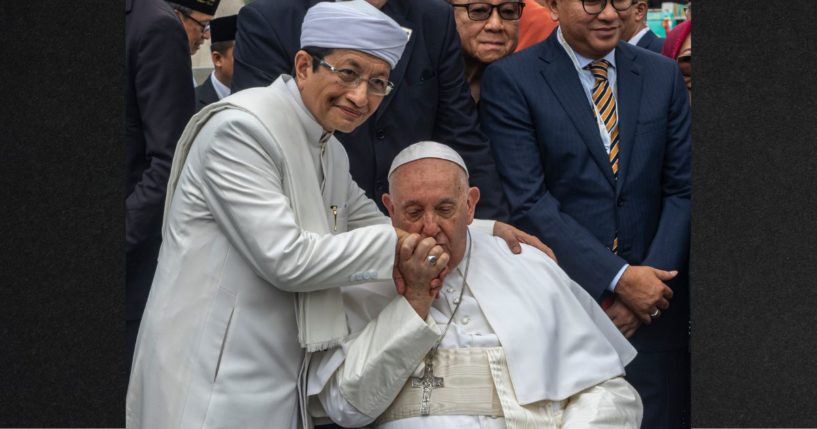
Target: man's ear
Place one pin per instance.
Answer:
(388, 203)
(554, 14)
(216, 57)
(303, 65)
(641, 11)
(473, 199)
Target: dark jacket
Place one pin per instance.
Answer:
(650, 41)
(158, 104)
(559, 182)
(205, 93)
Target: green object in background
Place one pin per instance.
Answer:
(672, 13)
(655, 20)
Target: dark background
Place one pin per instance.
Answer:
(62, 216)
(754, 337)
(754, 192)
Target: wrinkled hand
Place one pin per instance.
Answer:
(625, 320)
(642, 290)
(422, 281)
(399, 283)
(514, 236)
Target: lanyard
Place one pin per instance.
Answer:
(605, 135)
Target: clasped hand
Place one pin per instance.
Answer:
(416, 279)
(642, 290)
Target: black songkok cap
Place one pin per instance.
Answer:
(223, 29)
(207, 7)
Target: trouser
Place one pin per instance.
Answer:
(662, 380)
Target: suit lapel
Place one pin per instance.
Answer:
(646, 39)
(561, 77)
(208, 93)
(629, 82)
(397, 11)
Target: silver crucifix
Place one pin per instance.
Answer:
(427, 382)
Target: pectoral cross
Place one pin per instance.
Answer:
(427, 382)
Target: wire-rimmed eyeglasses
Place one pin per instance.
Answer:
(595, 7)
(352, 79)
(205, 27)
(479, 11)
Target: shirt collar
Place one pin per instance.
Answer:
(314, 130)
(637, 37)
(221, 89)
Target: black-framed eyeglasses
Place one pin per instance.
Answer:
(595, 7)
(352, 79)
(205, 27)
(510, 11)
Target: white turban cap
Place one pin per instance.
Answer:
(427, 149)
(354, 24)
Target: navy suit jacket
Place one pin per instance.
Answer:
(431, 100)
(650, 41)
(557, 176)
(158, 104)
(205, 93)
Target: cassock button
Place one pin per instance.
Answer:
(465, 320)
(457, 300)
(381, 134)
(621, 202)
(450, 290)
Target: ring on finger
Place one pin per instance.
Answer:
(655, 313)
(432, 260)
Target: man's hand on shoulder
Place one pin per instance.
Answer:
(642, 289)
(514, 237)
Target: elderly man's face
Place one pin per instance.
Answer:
(630, 21)
(431, 197)
(335, 104)
(196, 25)
(592, 36)
(490, 39)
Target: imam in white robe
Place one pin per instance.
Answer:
(218, 344)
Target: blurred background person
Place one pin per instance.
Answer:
(535, 25)
(222, 41)
(678, 46)
(634, 28)
(158, 104)
(195, 16)
(489, 30)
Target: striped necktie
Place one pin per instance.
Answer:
(606, 107)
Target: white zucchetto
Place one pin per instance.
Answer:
(427, 149)
(356, 25)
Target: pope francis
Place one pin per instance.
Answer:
(510, 342)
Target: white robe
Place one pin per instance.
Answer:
(573, 355)
(218, 347)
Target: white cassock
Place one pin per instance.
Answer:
(218, 345)
(528, 348)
